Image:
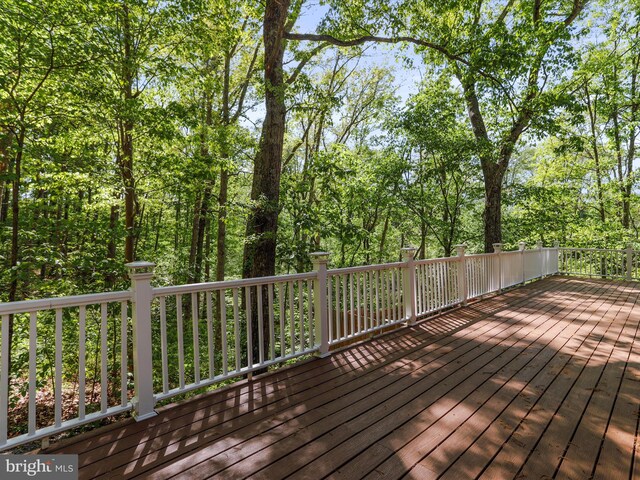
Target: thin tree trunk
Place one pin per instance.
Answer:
(129, 190)
(631, 148)
(110, 277)
(15, 220)
(207, 251)
(126, 127)
(592, 111)
(221, 244)
(4, 202)
(223, 191)
(176, 230)
(5, 166)
(383, 238)
(203, 221)
(195, 230)
(157, 230)
(15, 225)
(422, 252)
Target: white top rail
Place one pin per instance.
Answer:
(365, 268)
(437, 260)
(26, 306)
(227, 284)
(479, 255)
(569, 249)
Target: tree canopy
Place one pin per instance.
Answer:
(221, 139)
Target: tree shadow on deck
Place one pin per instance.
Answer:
(472, 388)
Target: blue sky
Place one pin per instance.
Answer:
(376, 55)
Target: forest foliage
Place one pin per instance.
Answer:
(129, 130)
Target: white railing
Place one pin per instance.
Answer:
(71, 326)
(437, 285)
(210, 332)
(603, 263)
(283, 320)
(362, 300)
(482, 274)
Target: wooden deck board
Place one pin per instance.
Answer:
(351, 384)
(372, 413)
(491, 418)
(405, 434)
(510, 439)
(549, 451)
(388, 363)
(477, 452)
(541, 380)
(614, 461)
(586, 442)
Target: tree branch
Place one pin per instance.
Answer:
(505, 11)
(245, 85)
(578, 5)
(294, 75)
(329, 39)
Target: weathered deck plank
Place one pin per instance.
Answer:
(542, 380)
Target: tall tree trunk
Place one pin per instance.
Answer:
(223, 191)
(4, 201)
(203, 200)
(422, 250)
(207, 252)
(205, 206)
(617, 141)
(126, 171)
(492, 215)
(259, 258)
(126, 127)
(203, 221)
(15, 219)
(494, 159)
(221, 244)
(157, 229)
(177, 220)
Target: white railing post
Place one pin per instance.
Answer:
(409, 285)
(462, 274)
(320, 261)
(143, 401)
(541, 258)
(4, 378)
(629, 262)
(497, 249)
(521, 247)
(556, 246)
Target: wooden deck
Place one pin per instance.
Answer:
(540, 382)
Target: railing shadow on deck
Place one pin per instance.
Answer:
(250, 425)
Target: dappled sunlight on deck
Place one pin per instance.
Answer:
(540, 381)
